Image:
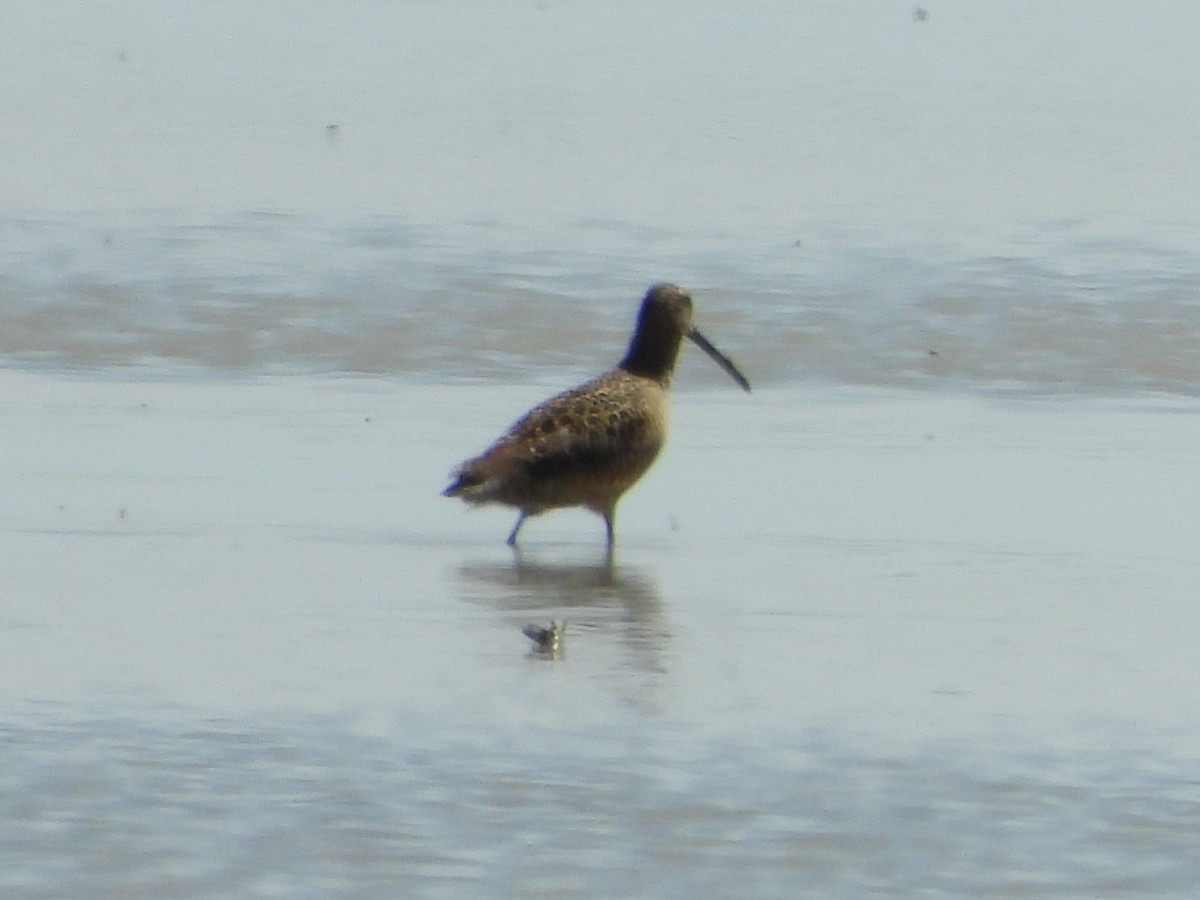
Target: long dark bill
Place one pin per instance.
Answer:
(719, 358)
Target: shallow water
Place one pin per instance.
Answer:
(992, 198)
(294, 808)
(251, 651)
(913, 618)
(392, 299)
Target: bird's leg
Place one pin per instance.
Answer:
(608, 527)
(512, 535)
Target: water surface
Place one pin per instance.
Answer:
(913, 618)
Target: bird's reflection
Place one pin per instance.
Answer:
(601, 597)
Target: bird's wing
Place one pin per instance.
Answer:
(599, 417)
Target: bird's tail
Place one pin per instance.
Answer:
(479, 480)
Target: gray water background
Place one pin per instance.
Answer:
(278, 672)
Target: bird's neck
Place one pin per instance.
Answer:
(653, 350)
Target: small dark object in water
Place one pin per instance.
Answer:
(546, 640)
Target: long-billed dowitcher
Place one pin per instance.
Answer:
(587, 446)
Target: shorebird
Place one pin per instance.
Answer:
(588, 446)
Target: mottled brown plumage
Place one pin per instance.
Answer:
(587, 446)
